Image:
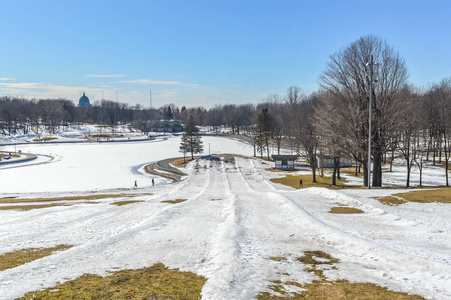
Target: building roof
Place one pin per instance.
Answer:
(284, 157)
(84, 101)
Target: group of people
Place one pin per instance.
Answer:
(136, 183)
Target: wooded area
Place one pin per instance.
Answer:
(406, 121)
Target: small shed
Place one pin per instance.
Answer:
(284, 162)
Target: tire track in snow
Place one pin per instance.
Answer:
(357, 251)
(230, 274)
(39, 224)
(387, 229)
(101, 238)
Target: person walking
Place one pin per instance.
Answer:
(300, 183)
(136, 184)
(153, 182)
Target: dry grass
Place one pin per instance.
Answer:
(120, 203)
(39, 206)
(47, 202)
(339, 290)
(315, 258)
(307, 181)
(322, 289)
(297, 169)
(391, 200)
(68, 198)
(156, 282)
(17, 258)
(351, 172)
(181, 163)
(423, 196)
(45, 139)
(345, 210)
(278, 258)
(174, 201)
(8, 154)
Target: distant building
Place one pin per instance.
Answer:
(166, 126)
(284, 162)
(84, 101)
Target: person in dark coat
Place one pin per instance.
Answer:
(300, 183)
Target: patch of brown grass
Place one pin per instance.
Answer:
(328, 290)
(315, 258)
(307, 181)
(17, 258)
(44, 139)
(288, 171)
(351, 172)
(278, 258)
(156, 282)
(7, 154)
(174, 201)
(67, 198)
(345, 210)
(423, 196)
(120, 203)
(181, 163)
(39, 206)
(390, 200)
(339, 290)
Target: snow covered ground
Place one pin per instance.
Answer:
(233, 220)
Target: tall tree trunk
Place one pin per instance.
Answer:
(334, 173)
(408, 175)
(365, 174)
(267, 146)
(446, 170)
(313, 166)
(433, 154)
(356, 168)
(392, 159)
(446, 157)
(421, 171)
(377, 169)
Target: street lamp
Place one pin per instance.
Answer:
(370, 64)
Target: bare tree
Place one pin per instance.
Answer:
(347, 79)
(441, 95)
(408, 131)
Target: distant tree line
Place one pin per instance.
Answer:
(18, 115)
(407, 122)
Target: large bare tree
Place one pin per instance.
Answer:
(346, 78)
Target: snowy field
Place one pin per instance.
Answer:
(233, 221)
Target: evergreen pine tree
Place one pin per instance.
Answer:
(191, 140)
(264, 127)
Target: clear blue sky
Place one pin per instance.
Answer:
(204, 52)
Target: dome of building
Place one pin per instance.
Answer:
(84, 101)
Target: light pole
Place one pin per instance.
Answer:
(370, 64)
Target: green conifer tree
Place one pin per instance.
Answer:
(191, 140)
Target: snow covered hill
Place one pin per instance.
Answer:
(232, 221)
